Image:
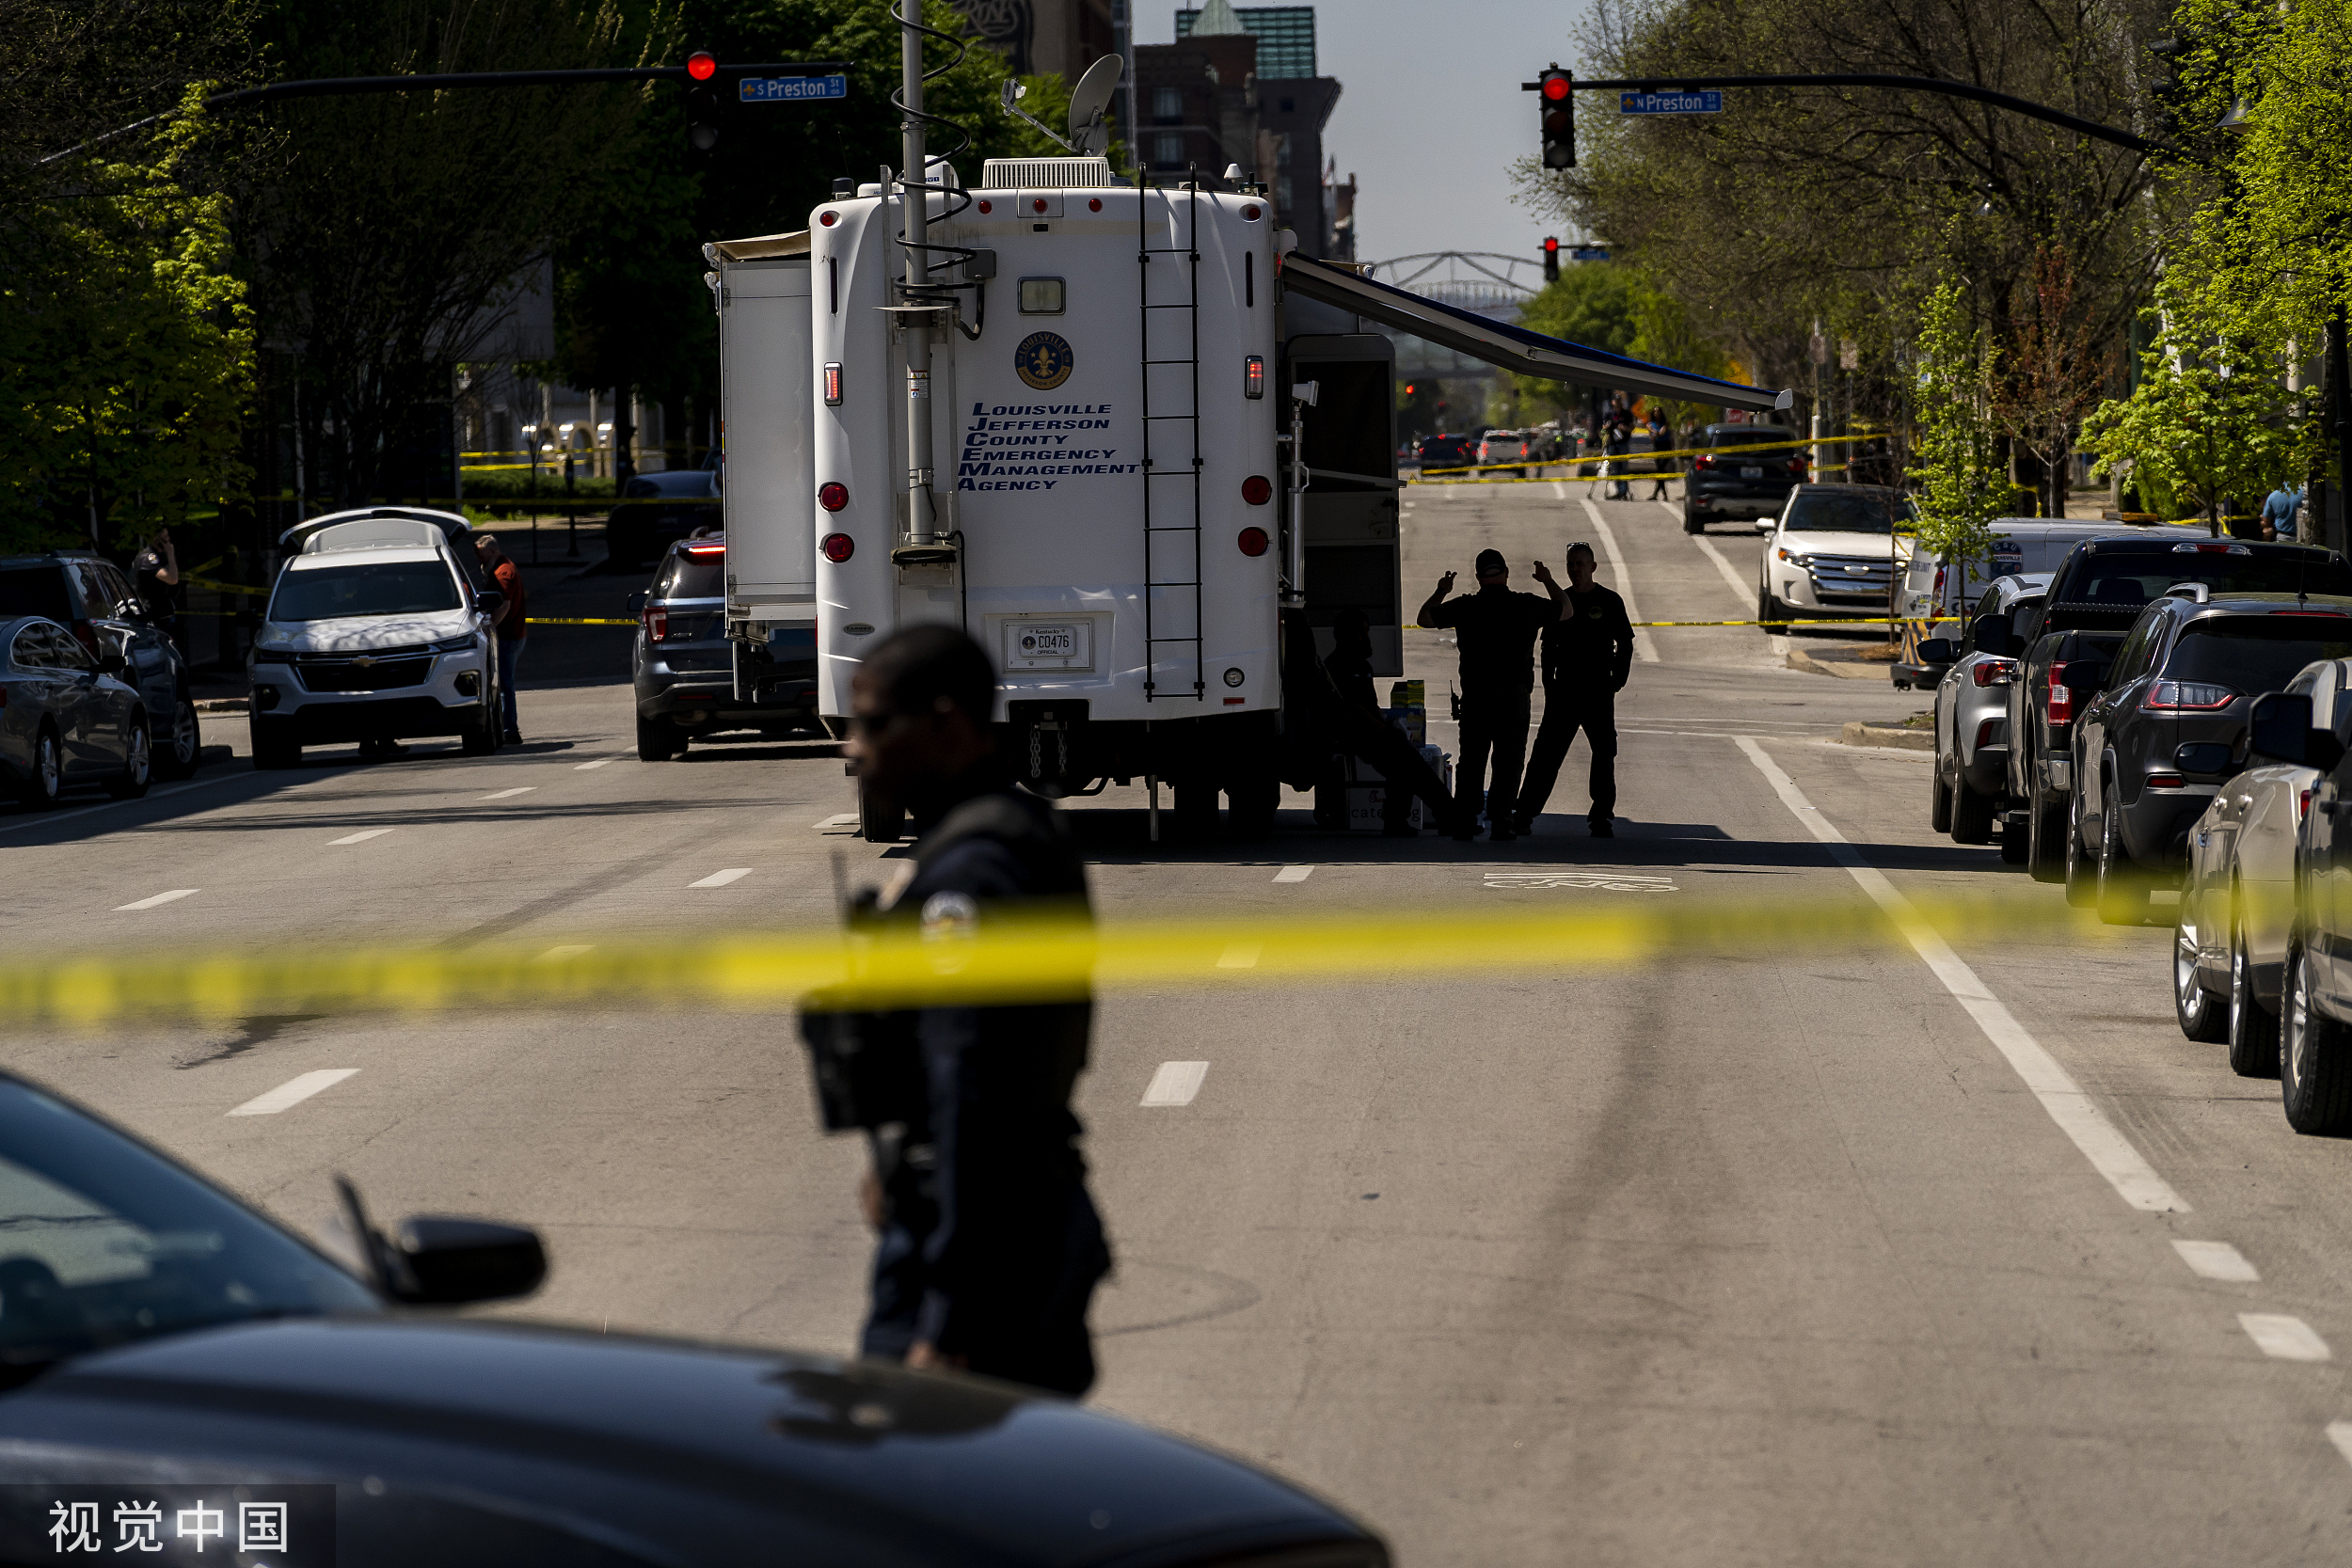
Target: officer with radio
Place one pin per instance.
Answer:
(989, 1245)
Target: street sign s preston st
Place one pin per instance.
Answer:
(1707, 103)
(788, 89)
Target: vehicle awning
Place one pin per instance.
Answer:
(1514, 348)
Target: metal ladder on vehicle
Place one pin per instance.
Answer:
(1171, 549)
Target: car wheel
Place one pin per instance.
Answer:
(2045, 857)
(2016, 841)
(1692, 522)
(47, 774)
(659, 740)
(2314, 1077)
(483, 739)
(2253, 1029)
(182, 745)
(879, 820)
(2081, 880)
(1770, 609)
(2198, 1010)
(1972, 814)
(1939, 800)
(2122, 893)
(138, 763)
(273, 748)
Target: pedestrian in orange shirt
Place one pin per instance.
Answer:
(512, 626)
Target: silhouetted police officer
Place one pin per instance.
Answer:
(990, 1247)
(1588, 653)
(1496, 629)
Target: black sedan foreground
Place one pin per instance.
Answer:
(171, 1360)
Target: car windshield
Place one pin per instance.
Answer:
(364, 588)
(1829, 512)
(102, 1242)
(2256, 653)
(2129, 578)
(692, 576)
(1728, 439)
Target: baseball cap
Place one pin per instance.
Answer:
(1492, 560)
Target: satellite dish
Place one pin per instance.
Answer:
(1088, 101)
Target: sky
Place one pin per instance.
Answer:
(1430, 114)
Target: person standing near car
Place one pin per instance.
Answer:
(2279, 510)
(1661, 438)
(1496, 630)
(1587, 655)
(989, 1247)
(513, 625)
(155, 572)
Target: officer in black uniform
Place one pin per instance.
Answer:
(1588, 653)
(1496, 629)
(990, 1247)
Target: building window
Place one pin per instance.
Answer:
(1167, 103)
(1168, 152)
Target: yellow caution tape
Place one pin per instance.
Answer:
(575, 620)
(1008, 960)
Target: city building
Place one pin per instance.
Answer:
(1040, 38)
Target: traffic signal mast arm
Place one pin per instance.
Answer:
(2137, 143)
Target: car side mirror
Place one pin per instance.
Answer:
(489, 601)
(2280, 731)
(449, 1262)
(2205, 760)
(1938, 650)
(1989, 633)
(637, 601)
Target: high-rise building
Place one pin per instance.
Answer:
(1285, 34)
(1045, 37)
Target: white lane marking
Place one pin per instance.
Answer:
(1580, 877)
(173, 896)
(48, 818)
(569, 950)
(1731, 574)
(294, 1091)
(360, 837)
(838, 819)
(1293, 873)
(1623, 580)
(510, 794)
(600, 762)
(720, 878)
(2340, 1433)
(2109, 1152)
(2287, 1339)
(2216, 1260)
(1175, 1083)
(1239, 955)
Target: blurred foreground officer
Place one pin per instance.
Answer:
(1496, 629)
(1588, 653)
(990, 1247)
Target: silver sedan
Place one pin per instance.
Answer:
(66, 715)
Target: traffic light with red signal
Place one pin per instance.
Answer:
(1555, 97)
(1552, 258)
(702, 101)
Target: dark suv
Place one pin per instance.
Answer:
(2095, 596)
(2169, 724)
(688, 674)
(1446, 451)
(91, 596)
(1745, 472)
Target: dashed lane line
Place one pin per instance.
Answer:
(2216, 1260)
(1624, 579)
(294, 1091)
(510, 794)
(1293, 873)
(600, 762)
(359, 837)
(720, 878)
(172, 898)
(1731, 574)
(2287, 1339)
(1175, 1083)
(2340, 1433)
(2109, 1152)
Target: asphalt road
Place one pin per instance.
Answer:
(1812, 1255)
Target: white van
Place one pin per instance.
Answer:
(1935, 589)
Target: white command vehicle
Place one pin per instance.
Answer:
(379, 627)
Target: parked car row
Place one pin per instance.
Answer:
(2160, 713)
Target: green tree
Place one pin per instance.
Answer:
(1964, 486)
(1597, 303)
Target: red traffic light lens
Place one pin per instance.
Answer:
(1257, 489)
(838, 547)
(1551, 247)
(1252, 541)
(701, 66)
(1557, 88)
(833, 496)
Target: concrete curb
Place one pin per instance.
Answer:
(1842, 669)
(1856, 733)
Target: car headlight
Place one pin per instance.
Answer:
(273, 647)
(1794, 560)
(464, 644)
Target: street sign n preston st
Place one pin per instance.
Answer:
(1706, 102)
(787, 89)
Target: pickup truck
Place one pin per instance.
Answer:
(2066, 648)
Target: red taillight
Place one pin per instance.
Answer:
(1986, 731)
(1257, 489)
(1796, 465)
(1703, 462)
(832, 384)
(2302, 805)
(2062, 696)
(2177, 696)
(88, 636)
(832, 496)
(1037, 204)
(1249, 214)
(987, 207)
(1094, 204)
(2166, 781)
(827, 219)
(838, 547)
(1252, 541)
(657, 625)
(1993, 672)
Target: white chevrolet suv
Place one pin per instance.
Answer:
(1830, 553)
(379, 626)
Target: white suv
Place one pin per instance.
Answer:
(379, 627)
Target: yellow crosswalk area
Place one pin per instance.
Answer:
(1000, 960)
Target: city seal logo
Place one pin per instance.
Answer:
(1044, 360)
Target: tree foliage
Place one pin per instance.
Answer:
(1962, 483)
